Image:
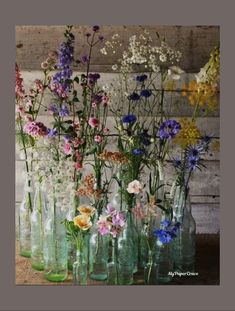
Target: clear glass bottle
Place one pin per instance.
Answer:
(112, 267)
(55, 243)
(80, 266)
(184, 243)
(37, 231)
(126, 254)
(25, 210)
(98, 254)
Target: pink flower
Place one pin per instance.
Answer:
(98, 138)
(78, 166)
(39, 85)
(134, 187)
(93, 122)
(94, 105)
(105, 100)
(105, 130)
(67, 148)
(78, 155)
(35, 129)
(104, 225)
(110, 210)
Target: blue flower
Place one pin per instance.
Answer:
(130, 118)
(84, 59)
(146, 93)
(64, 111)
(138, 151)
(52, 133)
(207, 139)
(169, 129)
(134, 96)
(194, 151)
(141, 78)
(165, 223)
(193, 162)
(163, 236)
(177, 162)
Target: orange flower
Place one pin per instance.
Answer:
(82, 221)
(86, 210)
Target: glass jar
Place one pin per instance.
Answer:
(55, 242)
(184, 244)
(80, 266)
(37, 223)
(98, 254)
(25, 210)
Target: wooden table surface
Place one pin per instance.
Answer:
(207, 266)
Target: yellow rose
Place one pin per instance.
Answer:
(83, 222)
(86, 210)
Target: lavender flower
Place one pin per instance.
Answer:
(52, 133)
(96, 28)
(64, 111)
(53, 109)
(169, 129)
(193, 162)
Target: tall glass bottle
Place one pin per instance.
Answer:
(184, 243)
(24, 219)
(98, 254)
(55, 243)
(126, 254)
(37, 231)
(80, 266)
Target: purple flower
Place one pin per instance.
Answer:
(93, 77)
(169, 129)
(96, 28)
(134, 96)
(130, 118)
(146, 93)
(110, 210)
(53, 109)
(101, 38)
(141, 78)
(84, 59)
(52, 133)
(65, 54)
(88, 34)
(137, 151)
(118, 219)
(64, 111)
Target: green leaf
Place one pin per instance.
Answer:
(76, 79)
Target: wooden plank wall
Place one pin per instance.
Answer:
(195, 42)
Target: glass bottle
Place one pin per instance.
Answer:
(126, 254)
(80, 266)
(37, 221)
(112, 267)
(98, 254)
(55, 243)
(25, 210)
(184, 243)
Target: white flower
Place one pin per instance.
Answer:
(114, 67)
(174, 72)
(134, 187)
(162, 58)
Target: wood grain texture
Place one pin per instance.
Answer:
(34, 42)
(207, 266)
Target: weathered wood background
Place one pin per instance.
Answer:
(195, 42)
